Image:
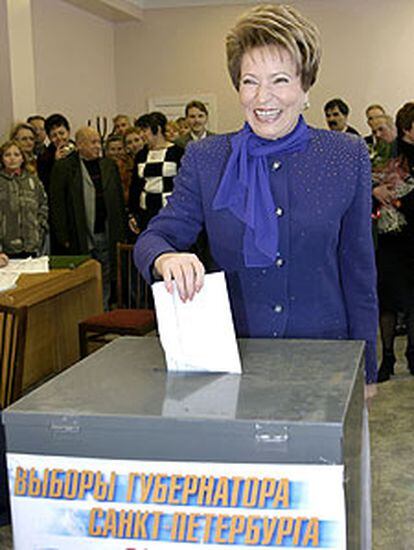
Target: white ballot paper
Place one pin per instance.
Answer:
(198, 335)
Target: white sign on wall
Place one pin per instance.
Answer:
(174, 107)
(66, 503)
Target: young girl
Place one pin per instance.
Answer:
(23, 206)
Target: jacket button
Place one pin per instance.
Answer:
(276, 165)
(280, 262)
(278, 308)
(279, 211)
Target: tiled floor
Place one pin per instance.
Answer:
(392, 452)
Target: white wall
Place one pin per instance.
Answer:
(74, 60)
(6, 105)
(21, 55)
(85, 66)
(176, 52)
(367, 53)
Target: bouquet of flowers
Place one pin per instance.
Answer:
(395, 176)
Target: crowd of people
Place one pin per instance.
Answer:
(68, 196)
(391, 149)
(81, 195)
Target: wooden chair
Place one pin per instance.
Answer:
(134, 315)
(13, 323)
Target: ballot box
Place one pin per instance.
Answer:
(116, 453)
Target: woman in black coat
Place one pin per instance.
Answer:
(395, 253)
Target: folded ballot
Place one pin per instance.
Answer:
(198, 335)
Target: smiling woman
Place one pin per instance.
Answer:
(286, 207)
(270, 92)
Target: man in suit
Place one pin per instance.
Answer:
(196, 114)
(87, 207)
(336, 114)
(373, 112)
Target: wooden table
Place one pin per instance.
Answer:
(55, 302)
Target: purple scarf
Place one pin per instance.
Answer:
(245, 189)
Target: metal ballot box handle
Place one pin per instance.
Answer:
(270, 435)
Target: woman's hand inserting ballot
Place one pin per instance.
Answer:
(185, 269)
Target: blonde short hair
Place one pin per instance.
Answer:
(21, 126)
(275, 25)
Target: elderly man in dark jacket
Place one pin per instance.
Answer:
(87, 207)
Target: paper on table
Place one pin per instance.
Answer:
(198, 335)
(27, 265)
(7, 280)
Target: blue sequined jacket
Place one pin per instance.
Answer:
(323, 285)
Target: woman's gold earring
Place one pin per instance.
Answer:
(306, 105)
